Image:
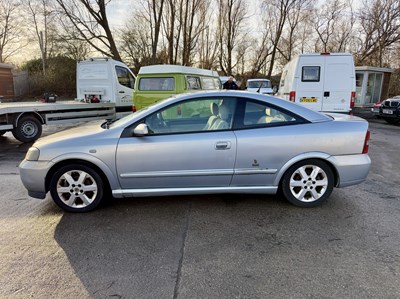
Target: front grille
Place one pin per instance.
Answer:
(389, 103)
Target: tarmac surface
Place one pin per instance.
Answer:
(227, 246)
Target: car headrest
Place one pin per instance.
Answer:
(223, 112)
(214, 109)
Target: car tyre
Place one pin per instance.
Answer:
(77, 188)
(28, 129)
(308, 183)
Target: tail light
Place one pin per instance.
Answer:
(366, 143)
(352, 99)
(292, 96)
(133, 108)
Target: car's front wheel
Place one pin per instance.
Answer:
(76, 188)
(308, 183)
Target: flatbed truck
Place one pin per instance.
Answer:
(104, 91)
(25, 119)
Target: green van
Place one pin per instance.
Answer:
(158, 82)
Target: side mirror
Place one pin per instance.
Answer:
(141, 130)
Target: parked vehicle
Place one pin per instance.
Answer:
(216, 142)
(320, 81)
(158, 82)
(375, 109)
(259, 85)
(390, 110)
(105, 80)
(104, 91)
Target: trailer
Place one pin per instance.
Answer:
(25, 120)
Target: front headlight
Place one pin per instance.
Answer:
(32, 154)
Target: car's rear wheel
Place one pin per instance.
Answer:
(308, 183)
(28, 129)
(76, 188)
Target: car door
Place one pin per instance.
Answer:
(178, 152)
(309, 87)
(338, 84)
(265, 138)
(125, 87)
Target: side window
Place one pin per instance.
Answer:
(310, 73)
(283, 78)
(259, 114)
(208, 83)
(193, 82)
(157, 84)
(192, 116)
(125, 78)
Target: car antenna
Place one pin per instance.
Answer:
(259, 88)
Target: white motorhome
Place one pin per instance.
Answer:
(105, 80)
(320, 81)
(259, 85)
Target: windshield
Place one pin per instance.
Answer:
(258, 84)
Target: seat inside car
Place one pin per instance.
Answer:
(214, 116)
(221, 121)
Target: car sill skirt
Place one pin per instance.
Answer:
(193, 191)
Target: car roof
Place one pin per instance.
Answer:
(258, 79)
(298, 109)
(173, 69)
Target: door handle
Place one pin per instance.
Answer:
(327, 93)
(121, 91)
(222, 145)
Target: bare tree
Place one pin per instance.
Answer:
(380, 30)
(260, 54)
(41, 15)
(292, 31)
(275, 21)
(193, 20)
(136, 42)
(208, 57)
(172, 28)
(10, 30)
(231, 20)
(333, 26)
(90, 20)
(153, 12)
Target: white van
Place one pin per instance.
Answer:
(259, 85)
(320, 81)
(105, 80)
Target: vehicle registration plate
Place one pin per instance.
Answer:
(308, 100)
(386, 111)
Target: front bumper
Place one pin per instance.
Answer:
(33, 176)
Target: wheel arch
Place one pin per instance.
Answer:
(36, 115)
(101, 171)
(307, 156)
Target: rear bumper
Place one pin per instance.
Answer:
(352, 169)
(33, 176)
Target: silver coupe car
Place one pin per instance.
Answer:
(202, 143)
